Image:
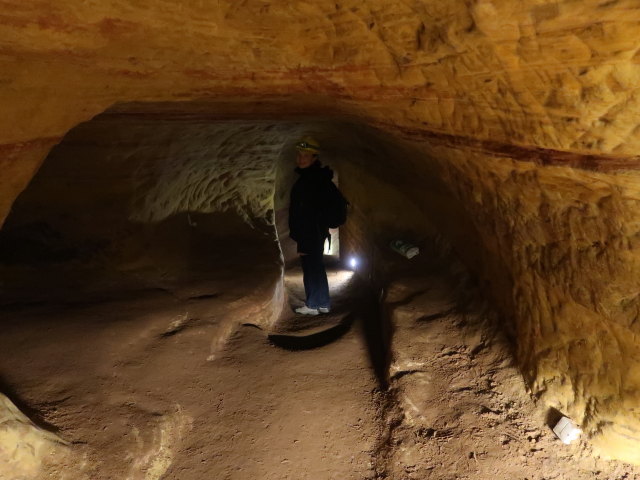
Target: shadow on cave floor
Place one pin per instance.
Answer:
(119, 378)
(33, 414)
(124, 381)
(353, 303)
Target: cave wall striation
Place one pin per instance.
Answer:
(522, 117)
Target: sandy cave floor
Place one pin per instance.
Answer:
(129, 384)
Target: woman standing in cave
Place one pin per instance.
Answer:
(306, 226)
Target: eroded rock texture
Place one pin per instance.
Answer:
(514, 126)
(24, 448)
(169, 225)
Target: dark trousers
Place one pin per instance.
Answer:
(316, 285)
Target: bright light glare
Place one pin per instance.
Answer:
(353, 262)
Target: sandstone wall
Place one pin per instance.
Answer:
(522, 114)
(125, 207)
(129, 204)
(554, 247)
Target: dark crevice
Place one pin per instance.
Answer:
(402, 373)
(314, 340)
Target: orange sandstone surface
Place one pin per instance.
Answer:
(512, 127)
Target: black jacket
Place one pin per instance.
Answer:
(308, 195)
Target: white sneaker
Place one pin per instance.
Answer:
(323, 310)
(304, 310)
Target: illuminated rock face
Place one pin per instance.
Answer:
(24, 447)
(519, 121)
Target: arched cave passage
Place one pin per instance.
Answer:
(156, 232)
(126, 189)
(149, 237)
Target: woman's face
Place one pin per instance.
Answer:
(304, 159)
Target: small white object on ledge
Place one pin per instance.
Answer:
(566, 430)
(405, 249)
